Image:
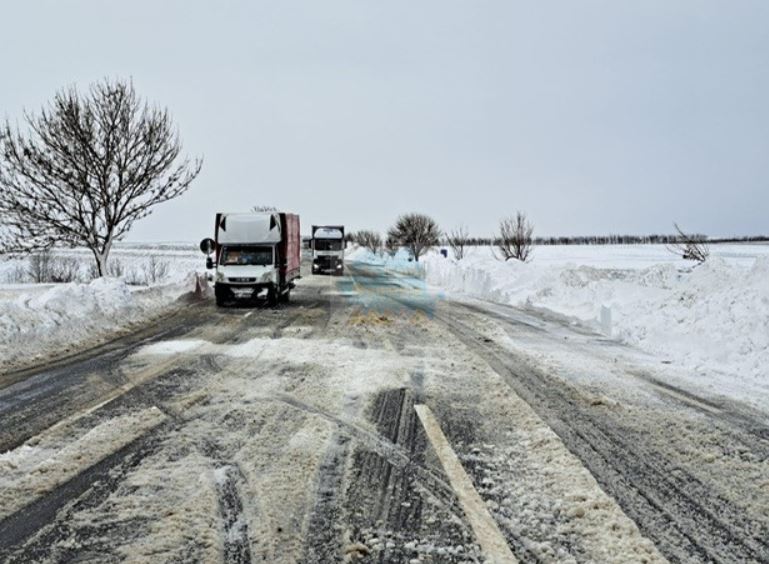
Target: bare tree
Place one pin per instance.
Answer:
(391, 245)
(415, 231)
(371, 240)
(89, 167)
(690, 246)
(458, 240)
(515, 237)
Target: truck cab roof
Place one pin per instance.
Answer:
(260, 227)
(328, 232)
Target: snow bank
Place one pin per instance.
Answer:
(400, 262)
(36, 324)
(713, 317)
(355, 253)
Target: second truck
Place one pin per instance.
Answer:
(327, 244)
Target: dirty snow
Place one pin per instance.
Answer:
(347, 370)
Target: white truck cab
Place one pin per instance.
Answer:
(246, 264)
(328, 249)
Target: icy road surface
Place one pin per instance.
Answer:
(371, 420)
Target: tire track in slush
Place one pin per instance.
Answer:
(38, 400)
(36, 516)
(386, 490)
(88, 487)
(227, 475)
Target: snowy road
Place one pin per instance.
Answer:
(372, 420)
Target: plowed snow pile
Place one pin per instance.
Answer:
(36, 324)
(711, 317)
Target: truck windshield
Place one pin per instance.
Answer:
(246, 255)
(328, 244)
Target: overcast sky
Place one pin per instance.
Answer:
(592, 116)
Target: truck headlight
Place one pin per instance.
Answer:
(220, 277)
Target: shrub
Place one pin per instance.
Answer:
(515, 241)
(64, 269)
(155, 270)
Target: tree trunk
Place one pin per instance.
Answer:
(101, 258)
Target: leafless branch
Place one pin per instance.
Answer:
(690, 246)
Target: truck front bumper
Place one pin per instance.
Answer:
(244, 290)
(327, 265)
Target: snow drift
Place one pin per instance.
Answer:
(35, 324)
(714, 316)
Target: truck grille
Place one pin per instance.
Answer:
(232, 279)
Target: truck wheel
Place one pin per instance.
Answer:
(221, 295)
(272, 297)
(284, 297)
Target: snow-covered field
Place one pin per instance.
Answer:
(712, 319)
(130, 261)
(40, 320)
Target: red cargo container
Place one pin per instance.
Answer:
(290, 248)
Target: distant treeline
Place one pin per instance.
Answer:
(747, 239)
(654, 239)
(621, 240)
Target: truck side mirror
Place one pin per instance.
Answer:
(207, 246)
(209, 263)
